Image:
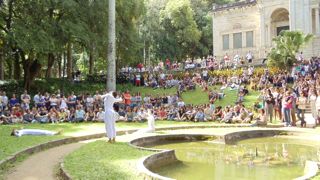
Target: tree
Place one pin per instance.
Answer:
(181, 31)
(287, 45)
(111, 73)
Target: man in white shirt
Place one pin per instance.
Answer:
(110, 115)
(249, 57)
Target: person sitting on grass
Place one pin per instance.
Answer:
(90, 115)
(63, 115)
(261, 120)
(34, 132)
(200, 116)
(28, 117)
(53, 115)
(228, 115)
(42, 115)
(79, 114)
(16, 114)
(100, 115)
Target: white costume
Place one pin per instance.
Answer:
(151, 126)
(110, 115)
(36, 132)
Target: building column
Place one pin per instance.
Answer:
(317, 21)
(262, 29)
(213, 28)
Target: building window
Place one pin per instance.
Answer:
(249, 38)
(237, 40)
(225, 41)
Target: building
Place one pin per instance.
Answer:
(251, 25)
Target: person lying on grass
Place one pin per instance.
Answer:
(34, 132)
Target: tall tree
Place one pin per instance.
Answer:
(111, 72)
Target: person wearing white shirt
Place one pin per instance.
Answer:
(249, 57)
(110, 115)
(35, 132)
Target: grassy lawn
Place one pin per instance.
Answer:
(100, 160)
(10, 145)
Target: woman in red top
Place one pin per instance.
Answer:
(127, 98)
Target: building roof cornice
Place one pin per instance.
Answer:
(240, 4)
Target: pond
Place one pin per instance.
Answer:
(260, 158)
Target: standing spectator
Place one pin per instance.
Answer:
(72, 100)
(53, 101)
(89, 101)
(301, 103)
(269, 103)
(249, 57)
(25, 100)
(287, 107)
(312, 100)
(36, 99)
(63, 102)
(5, 100)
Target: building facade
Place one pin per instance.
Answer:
(250, 25)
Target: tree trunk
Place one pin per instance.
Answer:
(1, 66)
(17, 69)
(111, 71)
(51, 60)
(31, 70)
(10, 68)
(59, 66)
(69, 61)
(91, 62)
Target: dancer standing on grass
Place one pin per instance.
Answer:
(110, 115)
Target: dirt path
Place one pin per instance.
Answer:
(42, 165)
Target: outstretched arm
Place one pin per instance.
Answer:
(103, 96)
(118, 99)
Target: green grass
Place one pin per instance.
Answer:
(100, 160)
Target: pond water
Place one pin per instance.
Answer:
(260, 158)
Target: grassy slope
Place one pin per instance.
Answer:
(99, 160)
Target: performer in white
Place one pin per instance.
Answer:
(35, 132)
(151, 126)
(110, 115)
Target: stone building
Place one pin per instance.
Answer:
(250, 25)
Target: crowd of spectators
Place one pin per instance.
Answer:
(287, 96)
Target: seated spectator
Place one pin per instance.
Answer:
(261, 120)
(28, 117)
(16, 114)
(79, 114)
(130, 114)
(162, 113)
(200, 116)
(90, 115)
(42, 115)
(100, 115)
(53, 115)
(122, 114)
(63, 115)
(71, 114)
